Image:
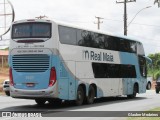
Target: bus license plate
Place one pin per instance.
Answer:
(30, 84)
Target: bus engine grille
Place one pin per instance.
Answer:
(30, 63)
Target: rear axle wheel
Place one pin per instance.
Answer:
(80, 96)
(91, 95)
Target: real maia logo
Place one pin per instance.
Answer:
(101, 56)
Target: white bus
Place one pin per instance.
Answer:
(50, 61)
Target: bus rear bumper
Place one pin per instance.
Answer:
(50, 92)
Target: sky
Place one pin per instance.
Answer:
(145, 26)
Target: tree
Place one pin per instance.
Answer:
(158, 2)
(155, 70)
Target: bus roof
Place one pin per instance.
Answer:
(98, 31)
(78, 27)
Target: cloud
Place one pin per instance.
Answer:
(83, 12)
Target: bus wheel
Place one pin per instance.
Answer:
(40, 101)
(148, 86)
(157, 91)
(80, 96)
(91, 95)
(135, 90)
(7, 93)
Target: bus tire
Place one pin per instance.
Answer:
(135, 90)
(148, 86)
(91, 95)
(80, 96)
(40, 102)
(157, 91)
(7, 93)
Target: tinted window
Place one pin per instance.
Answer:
(104, 70)
(31, 30)
(127, 71)
(127, 46)
(96, 40)
(67, 35)
(87, 38)
(113, 43)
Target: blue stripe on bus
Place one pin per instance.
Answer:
(66, 81)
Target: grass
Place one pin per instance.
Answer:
(146, 118)
(156, 109)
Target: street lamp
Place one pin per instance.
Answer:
(137, 14)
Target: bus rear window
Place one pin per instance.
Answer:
(31, 30)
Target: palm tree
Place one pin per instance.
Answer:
(157, 1)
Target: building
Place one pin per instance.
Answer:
(4, 58)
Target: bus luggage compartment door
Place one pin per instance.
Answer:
(66, 80)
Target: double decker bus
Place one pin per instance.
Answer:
(52, 61)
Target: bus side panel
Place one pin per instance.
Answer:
(125, 86)
(143, 86)
(62, 78)
(128, 83)
(72, 80)
(66, 80)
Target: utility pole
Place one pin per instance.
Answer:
(125, 14)
(158, 2)
(98, 22)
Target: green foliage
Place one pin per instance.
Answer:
(157, 75)
(6, 48)
(154, 70)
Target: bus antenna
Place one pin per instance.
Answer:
(41, 17)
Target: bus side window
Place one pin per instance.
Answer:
(111, 43)
(87, 38)
(124, 45)
(84, 38)
(67, 35)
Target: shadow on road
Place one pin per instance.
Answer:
(69, 105)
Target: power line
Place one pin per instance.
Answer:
(106, 19)
(149, 25)
(146, 25)
(78, 21)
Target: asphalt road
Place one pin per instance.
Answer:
(142, 102)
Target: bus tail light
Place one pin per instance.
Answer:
(11, 77)
(52, 79)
